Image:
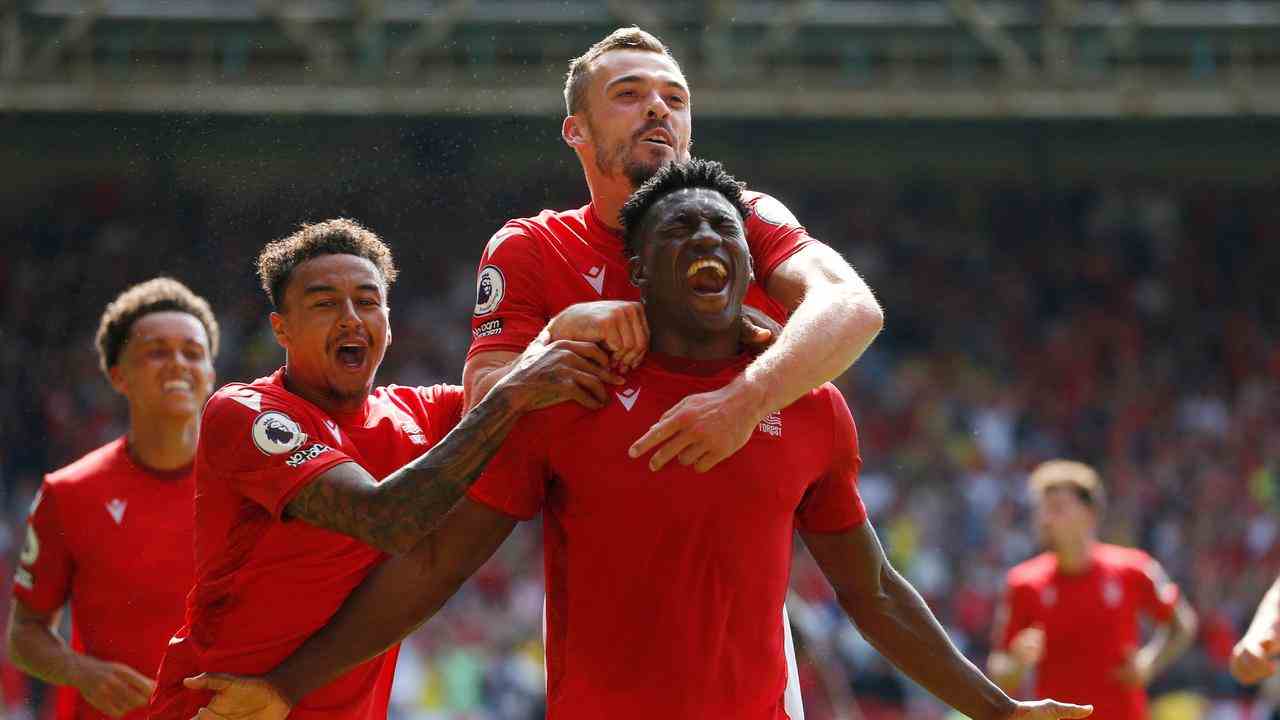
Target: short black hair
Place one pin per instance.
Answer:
(340, 236)
(162, 294)
(694, 173)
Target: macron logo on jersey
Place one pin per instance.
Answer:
(333, 428)
(628, 398)
(595, 278)
(116, 509)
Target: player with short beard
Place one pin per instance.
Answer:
(110, 535)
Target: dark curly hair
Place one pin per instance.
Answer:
(340, 236)
(694, 173)
(162, 294)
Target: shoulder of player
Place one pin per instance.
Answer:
(1031, 572)
(1123, 557)
(236, 404)
(525, 236)
(766, 210)
(421, 400)
(822, 402)
(93, 465)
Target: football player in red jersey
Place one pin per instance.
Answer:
(1254, 658)
(1072, 612)
(629, 112)
(156, 344)
(663, 587)
(307, 479)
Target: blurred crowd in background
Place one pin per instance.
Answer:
(1130, 323)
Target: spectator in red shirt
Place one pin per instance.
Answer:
(1072, 612)
(664, 588)
(110, 535)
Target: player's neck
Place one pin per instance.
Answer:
(669, 339)
(327, 400)
(159, 442)
(1075, 557)
(608, 194)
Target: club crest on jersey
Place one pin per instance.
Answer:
(771, 424)
(490, 287)
(276, 433)
(414, 432)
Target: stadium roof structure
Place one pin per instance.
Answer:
(748, 58)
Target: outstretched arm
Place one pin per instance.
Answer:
(392, 602)
(393, 515)
(1253, 658)
(897, 622)
(834, 318)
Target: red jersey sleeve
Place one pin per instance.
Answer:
(515, 481)
(1157, 594)
(43, 578)
(266, 447)
(832, 503)
(509, 311)
(773, 234)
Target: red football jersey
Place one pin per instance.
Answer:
(113, 539)
(664, 590)
(1090, 622)
(535, 267)
(263, 584)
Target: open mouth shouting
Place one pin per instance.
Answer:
(351, 354)
(707, 276)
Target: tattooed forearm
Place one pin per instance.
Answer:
(394, 514)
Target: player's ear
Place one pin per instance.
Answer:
(574, 132)
(116, 376)
(279, 330)
(635, 269)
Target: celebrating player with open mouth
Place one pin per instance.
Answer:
(629, 111)
(306, 479)
(664, 587)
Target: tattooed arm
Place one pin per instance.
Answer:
(397, 597)
(394, 514)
